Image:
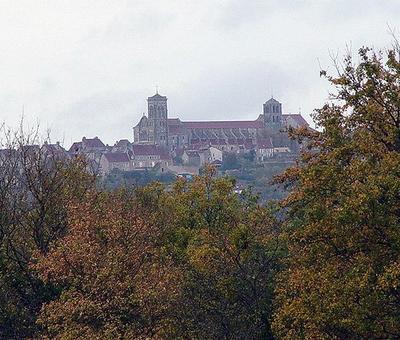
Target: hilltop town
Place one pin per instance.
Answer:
(163, 145)
(177, 146)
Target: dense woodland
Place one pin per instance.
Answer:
(199, 261)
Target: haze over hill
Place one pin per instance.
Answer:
(86, 67)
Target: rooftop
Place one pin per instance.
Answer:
(227, 124)
(157, 96)
(116, 157)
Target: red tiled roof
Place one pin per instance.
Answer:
(174, 129)
(116, 157)
(145, 150)
(165, 156)
(174, 121)
(233, 124)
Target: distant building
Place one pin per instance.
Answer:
(114, 160)
(153, 128)
(264, 150)
(148, 156)
(228, 136)
(87, 145)
(90, 148)
(191, 158)
(158, 138)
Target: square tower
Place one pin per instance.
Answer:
(158, 119)
(272, 110)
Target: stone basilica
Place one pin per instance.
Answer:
(174, 134)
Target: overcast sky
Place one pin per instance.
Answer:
(86, 67)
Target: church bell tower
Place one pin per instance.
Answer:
(272, 110)
(158, 119)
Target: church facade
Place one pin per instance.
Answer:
(233, 135)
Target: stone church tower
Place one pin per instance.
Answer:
(158, 119)
(272, 110)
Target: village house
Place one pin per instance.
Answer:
(147, 156)
(88, 146)
(157, 138)
(191, 158)
(264, 150)
(215, 154)
(114, 160)
(230, 136)
(55, 151)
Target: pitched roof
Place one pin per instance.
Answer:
(116, 157)
(157, 97)
(228, 124)
(123, 143)
(93, 142)
(55, 150)
(76, 146)
(145, 150)
(272, 100)
(297, 117)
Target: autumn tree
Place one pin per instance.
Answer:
(35, 184)
(342, 277)
(115, 282)
(227, 248)
(196, 261)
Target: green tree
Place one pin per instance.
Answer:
(198, 261)
(342, 277)
(230, 161)
(227, 247)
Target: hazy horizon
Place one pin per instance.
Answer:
(86, 68)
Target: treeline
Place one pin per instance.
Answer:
(200, 261)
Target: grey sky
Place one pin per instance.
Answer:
(86, 67)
